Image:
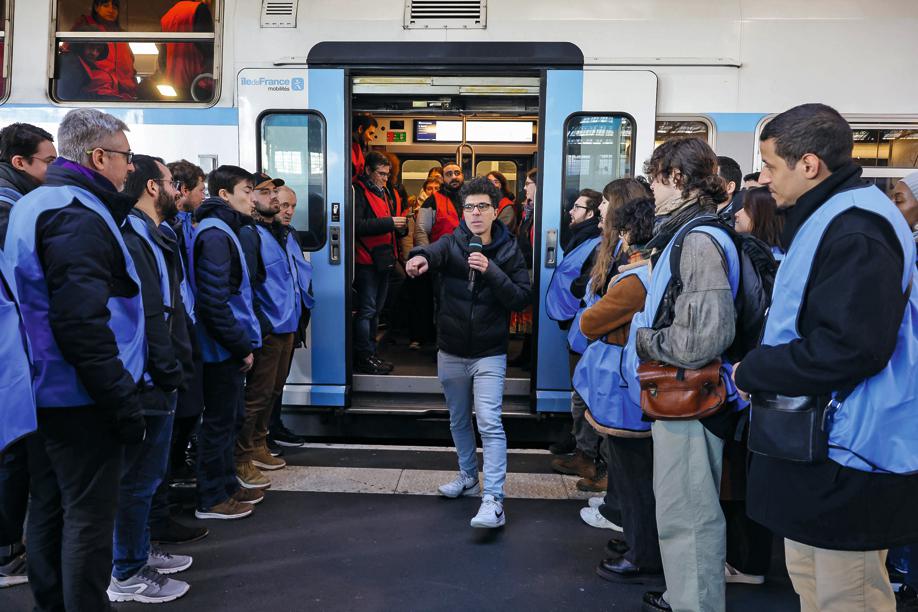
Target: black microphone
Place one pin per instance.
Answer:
(474, 247)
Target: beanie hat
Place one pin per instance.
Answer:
(911, 181)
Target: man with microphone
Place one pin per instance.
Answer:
(483, 279)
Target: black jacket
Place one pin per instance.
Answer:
(85, 267)
(522, 233)
(169, 358)
(580, 233)
(251, 246)
(849, 321)
(477, 323)
(10, 178)
(218, 274)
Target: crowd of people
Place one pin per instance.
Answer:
(742, 351)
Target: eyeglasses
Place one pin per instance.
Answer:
(177, 185)
(587, 208)
(128, 154)
(481, 206)
(47, 160)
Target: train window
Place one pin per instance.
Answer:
(598, 149)
(886, 148)
(507, 168)
(152, 51)
(414, 173)
(670, 129)
(293, 148)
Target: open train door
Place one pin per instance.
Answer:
(598, 125)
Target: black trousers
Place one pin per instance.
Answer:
(14, 495)
(631, 468)
(224, 409)
(182, 430)
(748, 543)
(75, 465)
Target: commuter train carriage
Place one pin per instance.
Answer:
(582, 90)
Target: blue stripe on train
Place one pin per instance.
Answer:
(40, 113)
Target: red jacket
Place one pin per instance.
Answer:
(113, 76)
(184, 61)
(447, 218)
(357, 161)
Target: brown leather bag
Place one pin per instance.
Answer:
(669, 393)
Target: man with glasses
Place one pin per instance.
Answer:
(439, 215)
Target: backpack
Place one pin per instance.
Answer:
(753, 298)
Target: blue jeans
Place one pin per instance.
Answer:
(224, 409)
(477, 383)
(371, 287)
(142, 470)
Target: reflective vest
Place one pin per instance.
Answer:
(600, 380)
(655, 292)
(364, 244)
(17, 411)
(278, 295)
(447, 218)
(875, 427)
(240, 301)
(185, 283)
(56, 381)
(560, 303)
(576, 341)
(113, 75)
(504, 203)
(184, 62)
(777, 253)
(303, 270)
(165, 284)
(358, 161)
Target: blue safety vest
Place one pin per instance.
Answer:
(600, 379)
(659, 282)
(278, 295)
(17, 414)
(576, 341)
(56, 381)
(560, 303)
(240, 301)
(185, 283)
(303, 270)
(165, 286)
(875, 427)
(777, 253)
(188, 230)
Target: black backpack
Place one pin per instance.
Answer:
(757, 279)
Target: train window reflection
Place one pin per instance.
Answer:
(126, 16)
(886, 148)
(293, 148)
(668, 130)
(598, 149)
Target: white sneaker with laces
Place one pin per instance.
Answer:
(490, 514)
(596, 502)
(734, 576)
(462, 485)
(146, 586)
(164, 563)
(593, 518)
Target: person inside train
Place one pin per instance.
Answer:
(376, 252)
(759, 217)
(730, 172)
(688, 453)
(843, 324)
(419, 291)
(562, 304)
(521, 322)
(111, 75)
(751, 180)
(26, 151)
(82, 310)
(398, 205)
(79, 76)
(228, 332)
(439, 214)
(278, 307)
(506, 211)
(482, 273)
(138, 569)
(363, 131)
(183, 63)
(629, 448)
(432, 183)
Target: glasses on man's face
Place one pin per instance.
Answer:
(177, 185)
(45, 160)
(129, 155)
(580, 206)
(381, 174)
(481, 206)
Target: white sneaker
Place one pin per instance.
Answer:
(164, 563)
(146, 586)
(490, 514)
(462, 485)
(593, 518)
(596, 502)
(734, 576)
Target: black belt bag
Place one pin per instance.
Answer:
(789, 428)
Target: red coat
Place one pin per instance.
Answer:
(447, 218)
(113, 76)
(184, 61)
(357, 161)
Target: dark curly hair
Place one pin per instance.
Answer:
(480, 186)
(635, 218)
(696, 165)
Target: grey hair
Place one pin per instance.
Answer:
(84, 129)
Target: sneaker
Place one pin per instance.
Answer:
(462, 485)
(490, 514)
(173, 532)
(734, 576)
(249, 476)
(146, 586)
(274, 448)
(593, 518)
(596, 502)
(577, 465)
(414, 346)
(369, 365)
(14, 572)
(225, 510)
(248, 496)
(164, 563)
(388, 366)
(263, 460)
(285, 437)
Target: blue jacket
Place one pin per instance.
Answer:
(17, 416)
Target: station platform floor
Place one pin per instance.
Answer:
(350, 527)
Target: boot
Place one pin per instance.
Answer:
(577, 465)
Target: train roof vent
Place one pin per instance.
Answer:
(278, 13)
(461, 14)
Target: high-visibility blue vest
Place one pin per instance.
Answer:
(659, 282)
(56, 381)
(185, 283)
(17, 410)
(278, 295)
(303, 270)
(875, 427)
(188, 230)
(165, 284)
(576, 341)
(560, 303)
(599, 377)
(240, 301)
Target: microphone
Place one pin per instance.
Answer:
(474, 247)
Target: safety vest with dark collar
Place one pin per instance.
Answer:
(447, 217)
(365, 244)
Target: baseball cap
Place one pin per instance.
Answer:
(262, 180)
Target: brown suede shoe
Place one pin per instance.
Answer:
(229, 509)
(248, 496)
(595, 485)
(249, 476)
(264, 460)
(577, 465)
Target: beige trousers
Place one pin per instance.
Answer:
(839, 580)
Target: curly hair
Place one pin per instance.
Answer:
(617, 193)
(635, 219)
(692, 165)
